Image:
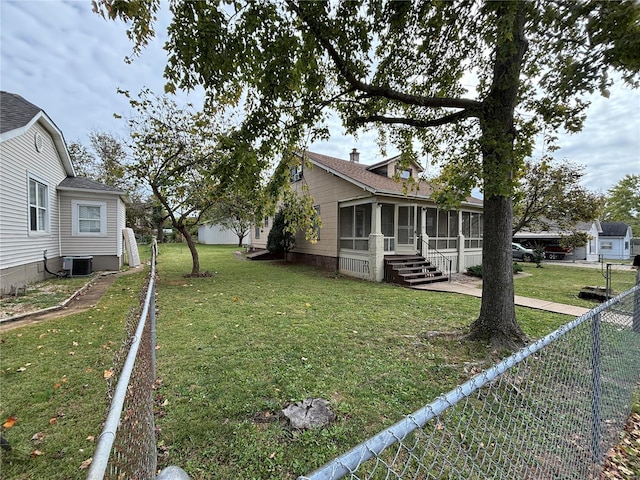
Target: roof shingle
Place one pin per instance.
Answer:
(83, 183)
(614, 229)
(15, 111)
(359, 174)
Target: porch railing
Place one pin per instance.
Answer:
(435, 257)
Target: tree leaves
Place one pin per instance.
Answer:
(550, 196)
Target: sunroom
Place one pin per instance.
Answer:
(370, 230)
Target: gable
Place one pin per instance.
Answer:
(18, 117)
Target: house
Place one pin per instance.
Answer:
(369, 220)
(215, 234)
(45, 209)
(615, 241)
(550, 240)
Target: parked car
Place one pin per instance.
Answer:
(519, 252)
(556, 252)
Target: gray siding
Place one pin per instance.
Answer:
(90, 245)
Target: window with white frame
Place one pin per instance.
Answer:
(88, 218)
(38, 206)
(606, 245)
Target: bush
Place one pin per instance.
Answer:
(279, 240)
(476, 270)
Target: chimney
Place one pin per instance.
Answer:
(354, 156)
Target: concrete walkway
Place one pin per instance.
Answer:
(473, 289)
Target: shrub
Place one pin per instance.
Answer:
(279, 240)
(476, 270)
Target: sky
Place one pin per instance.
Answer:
(69, 61)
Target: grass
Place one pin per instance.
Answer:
(51, 377)
(234, 349)
(558, 283)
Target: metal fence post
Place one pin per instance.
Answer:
(636, 297)
(596, 396)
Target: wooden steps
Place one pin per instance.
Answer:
(411, 270)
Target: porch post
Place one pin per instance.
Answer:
(376, 244)
(461, 262)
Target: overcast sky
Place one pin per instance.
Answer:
(69, 61)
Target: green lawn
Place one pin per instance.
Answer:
(559, 283)
(233, 349)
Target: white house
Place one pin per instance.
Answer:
(615, 241)
(45, 209)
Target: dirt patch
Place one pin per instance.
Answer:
(83, 299)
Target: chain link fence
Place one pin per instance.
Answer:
(131, 454)
(550, 410)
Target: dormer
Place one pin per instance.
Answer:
(390, 167)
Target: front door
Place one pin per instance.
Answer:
(406, 232)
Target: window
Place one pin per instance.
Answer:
(404, 173)
(38, 206)
(606, 245)
(257, 233)
(443, 226)
(355, 227)
(266, 222)
(472, 229)
(88, 218)
(296, 173)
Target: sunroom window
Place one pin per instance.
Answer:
(472, 229)
(355, 227)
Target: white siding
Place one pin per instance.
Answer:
(218, 235)
(19, 159)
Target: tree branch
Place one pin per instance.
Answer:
(412, 122)
(375, 90)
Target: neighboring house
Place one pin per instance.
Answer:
(615, 241)
(367, 216)
(551, 239)
(211, 234)
(259, 234)
(44, 207)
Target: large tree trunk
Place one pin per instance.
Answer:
(497, 320)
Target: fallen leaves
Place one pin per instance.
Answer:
(108, 374)
(86, 464)
(623, 461)
(10, 422)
